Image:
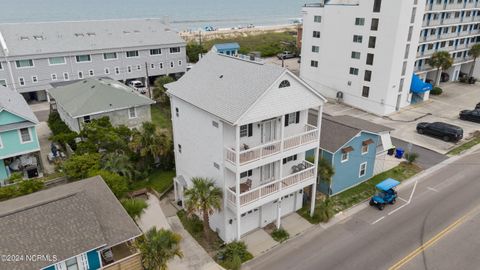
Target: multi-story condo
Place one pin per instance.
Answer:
(244, 124)
(448, 25)
(363, 51)
(33, 55)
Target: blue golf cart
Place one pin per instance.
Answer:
(386, 193)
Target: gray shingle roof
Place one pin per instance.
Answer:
(65, 221)
(225, 86)
(61, 37)
(95, 95)
(14, 102)
(338, 130)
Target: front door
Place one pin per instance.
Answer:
(269, 131)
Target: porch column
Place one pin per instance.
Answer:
(279, 212)
(315, 163)
(282, 131)
(237, 180)
(175, 189)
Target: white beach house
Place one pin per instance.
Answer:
(244, 124)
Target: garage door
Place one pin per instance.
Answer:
(288, 204)
(250, 221)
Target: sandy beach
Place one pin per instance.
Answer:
(231, 33)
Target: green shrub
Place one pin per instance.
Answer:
(61, 132)
(78, 166)
(29, 186)
(233, 255)
(134, 207)
(192, 223)
(280, 235)
(8, 192)
(411, 157)
(436, 91)
(117, 183)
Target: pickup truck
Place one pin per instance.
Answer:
(138, 85)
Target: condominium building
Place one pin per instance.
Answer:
(244, 124)
(364, 50)
(33, 55)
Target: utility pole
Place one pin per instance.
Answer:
(200, 42)
(147, 81)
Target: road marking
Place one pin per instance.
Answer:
(402, 199)
(413, 191)
(407, 202)
(396, 209)
(432, 189)
(431, 242)
(378, 220)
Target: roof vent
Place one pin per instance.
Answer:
(38, 37)
(91, 34)
(84, 81)
(93, 86)
(24, 38)
(126, 32)
(136, 31)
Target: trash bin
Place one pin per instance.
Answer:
(399, 153)
(391, 151)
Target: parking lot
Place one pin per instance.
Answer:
(443, 108)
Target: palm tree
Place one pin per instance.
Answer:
(325, 172)
(158, 247)
(475, 53)
(203, 197)
(150, 142)
(118, 163)
(134, 207)
(441, 61)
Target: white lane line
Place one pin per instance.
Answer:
(403, 199)
(378, 220)
(398, 208)
(408, 202)
(413, 191)
(432, 189)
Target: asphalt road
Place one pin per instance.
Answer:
(434, 224)
(426, 158)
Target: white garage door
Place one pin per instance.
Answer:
(250, 221)
(288, 204)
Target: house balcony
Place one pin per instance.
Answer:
(249, 155)
(302, 176)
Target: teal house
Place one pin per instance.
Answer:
(355, 148)
(227, 48)
(19, 146)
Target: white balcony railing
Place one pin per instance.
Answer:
(273, 187)
(309, 135)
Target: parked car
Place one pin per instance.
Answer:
(441, 130)
(138, 85)
(285, 55)
(470, 115)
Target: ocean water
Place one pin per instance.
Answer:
(181, 14)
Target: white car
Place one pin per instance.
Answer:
(138, 85)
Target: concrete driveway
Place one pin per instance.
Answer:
(444, 108)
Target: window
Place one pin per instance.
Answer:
(80, 75)
(180, 148)
(179, 62)
(25, 135)
(34, 79)
(363, 169)
(117, 70)
(357, 38)
(56, 61)
(410, 32)
(24, 63)
(160, 65)
(315, 49)
(215, 124)
(284, 84)
(91, 73)
(246, 130)
(83, 58)
(86, 119)
(53, 76)
(400, 86)
(316, 34)
(407, 51)
(177, 112)
(175, 50)
(1, 143)
(172, 64)
(374, 26)
(414, 13)
(110, 56)
(290, 158)
(371, 42)
(3, 82)
(152, 66)
(246, 174)
(139, 67)
(65, 76)
(1, 66)
(404, 68)
(292, 118)
(376, 5)
(71, 264)
(314, 63)
(155, 51)
(353, 71)
(107, 71)
(129, 69)
(132, 113)
(356, 55)
(359, 21)
(365, 91)
(131, 54)
(367, 76)
(21, 80)
(364, 149)
(317, 19)
(369, 59)
(344, 157)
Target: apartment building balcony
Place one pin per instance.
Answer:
(452, 20)
(473, 4)
(454, 6)
(437, 6)
(432, 22)
(247, 154)
(301, 176)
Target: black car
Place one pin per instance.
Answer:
(477, 107)
(470, 115)
(441, 130)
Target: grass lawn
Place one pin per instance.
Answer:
(157, 180)
(471, 143)
(361, 192)
(161, 116)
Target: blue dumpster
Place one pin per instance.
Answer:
(399, 152)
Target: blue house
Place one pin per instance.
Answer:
(354, 147)
(226, 48)
(80, 225)
(19, 146)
